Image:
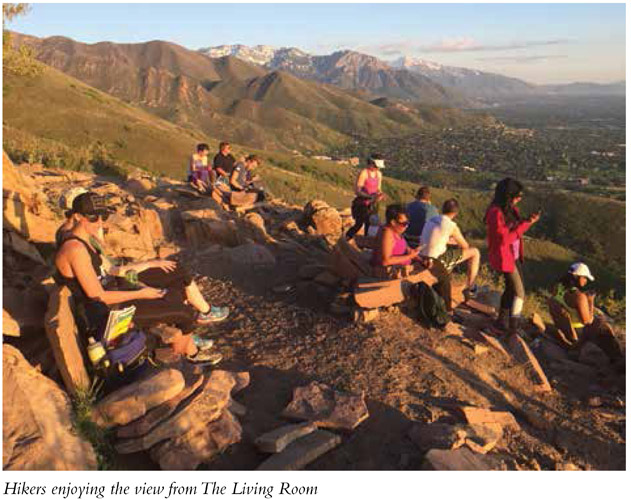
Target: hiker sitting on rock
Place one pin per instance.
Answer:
(223, 164)
(392, 258)
(443, 242)
(368, 194)
(243, 179)
(199, 172)
(166, 292)
(419, 212)
(588, 323)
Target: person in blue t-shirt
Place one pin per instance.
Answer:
(419, 212)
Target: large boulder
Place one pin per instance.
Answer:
(205, 226)
(37, 432)
(325, 220)
(25, 307)
(24, 209)
(252, 254)
(140, 185)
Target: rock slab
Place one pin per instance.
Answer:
(37, 432)
(302, 452)
(460, 459)
(134, 400)
(326, 407)
(277, 440)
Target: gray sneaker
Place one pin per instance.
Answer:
(205, 358)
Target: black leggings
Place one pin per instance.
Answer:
(513, 289)
(361, 213)
(172, 308)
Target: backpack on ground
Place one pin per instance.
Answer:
(430, 306)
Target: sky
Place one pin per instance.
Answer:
(540, 43)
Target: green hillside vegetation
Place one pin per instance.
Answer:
(230, 98)
(56, 120)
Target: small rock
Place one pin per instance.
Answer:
(365, 315)
(482, 438)
(319, 403)
(484, 416)
(437, 435)
(302, 451)
(460, 459)
(277, 440)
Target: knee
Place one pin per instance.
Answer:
(475, 253)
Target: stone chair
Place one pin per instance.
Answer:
(65, 341)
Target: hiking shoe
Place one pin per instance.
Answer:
(470, 293)
(213, 316)
(205, 358)
(202, 343)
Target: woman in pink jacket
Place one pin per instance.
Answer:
(504, 231)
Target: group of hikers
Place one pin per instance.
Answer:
(415, 236)
(225, 175)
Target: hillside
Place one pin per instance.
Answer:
(226, 97)
(61, 120)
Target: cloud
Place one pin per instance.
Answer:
(521, 59)
(468, 44)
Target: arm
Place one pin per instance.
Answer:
(584, 309)
(359, 184)
(79, 261)
(459, 239)
(497, 223)
(380, 177)
(233, 179)
(387, 245)
(138, 267)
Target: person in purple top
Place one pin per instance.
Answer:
(392, 256)
(368, 194)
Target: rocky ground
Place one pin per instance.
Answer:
(278, 268)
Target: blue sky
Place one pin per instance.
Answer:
(541, 43)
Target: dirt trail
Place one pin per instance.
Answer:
(407, 373)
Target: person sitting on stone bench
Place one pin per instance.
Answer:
(166, 294)
(443, 242)
(391, 257)
(419, 212)
(585, 320)
(243, 179)
(199, 175)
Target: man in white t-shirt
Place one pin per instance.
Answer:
(442, 241)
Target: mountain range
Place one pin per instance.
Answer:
(227, 97)
(400, 78)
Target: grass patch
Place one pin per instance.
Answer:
(101, 439)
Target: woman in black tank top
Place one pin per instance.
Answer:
(164, 298)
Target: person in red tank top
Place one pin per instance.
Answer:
(368, 194)
(504, 231)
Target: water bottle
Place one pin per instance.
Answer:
(96, 353)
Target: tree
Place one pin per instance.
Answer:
(16, 60)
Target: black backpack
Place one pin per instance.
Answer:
(430, 306)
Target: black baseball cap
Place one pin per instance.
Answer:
(90, 204)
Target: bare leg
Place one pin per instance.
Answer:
(196, 299)
(184, 345)
(472, 256)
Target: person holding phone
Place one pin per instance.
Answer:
(167, 293)
(504, 230)
(392, 257)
